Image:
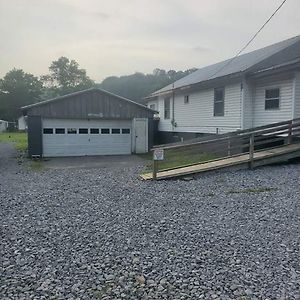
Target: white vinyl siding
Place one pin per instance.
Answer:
(152, 103)
(198, 115)
(3, 125)
(285, 111)
(297, 95)
(248, 105)
(75, 144)
(244, 108)
(164, 125)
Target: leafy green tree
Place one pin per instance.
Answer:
(18, 89)
(65, 77)
(139, 85)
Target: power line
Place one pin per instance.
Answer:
(250, 41)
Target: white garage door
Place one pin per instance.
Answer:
(63, 137)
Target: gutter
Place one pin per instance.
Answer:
(173, 108)
(276, 67)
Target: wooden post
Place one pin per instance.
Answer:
(158, 154)
(251, 151)
(289, 139)
(229, 147)
(155, 167)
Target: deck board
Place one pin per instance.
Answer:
(225, 162)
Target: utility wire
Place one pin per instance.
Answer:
(250, 41)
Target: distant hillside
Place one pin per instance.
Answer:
(139, 85)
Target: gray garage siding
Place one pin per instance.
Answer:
(90, 104)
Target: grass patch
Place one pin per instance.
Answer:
(175, 158)
(36, 165)
(252, 190)
(146, 156)
(179, 158)
(19, 139)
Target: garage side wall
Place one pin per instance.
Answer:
(35, 142)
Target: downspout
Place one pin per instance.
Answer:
(242, 103)
(294, 97)
(173, 109)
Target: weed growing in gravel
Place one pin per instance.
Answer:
(252, 190)
(36, 165)
(210, 194)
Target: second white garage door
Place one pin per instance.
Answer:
(64, 137)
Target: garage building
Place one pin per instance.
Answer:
(89, 122)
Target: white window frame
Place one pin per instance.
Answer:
(272, 99)
(219, 101)
(186, 99)
(167, 117)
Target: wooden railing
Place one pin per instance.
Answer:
(225, 145)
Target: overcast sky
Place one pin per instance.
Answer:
(119, 37)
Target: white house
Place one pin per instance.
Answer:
(3, 125)
(253, 89)
(22, 123)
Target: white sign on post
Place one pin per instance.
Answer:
(158, 154)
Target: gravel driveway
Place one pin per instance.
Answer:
(103, 234)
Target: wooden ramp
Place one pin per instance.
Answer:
(260, 158)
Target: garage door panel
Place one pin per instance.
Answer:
(86, 143)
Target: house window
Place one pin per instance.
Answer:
(186, 99)
(105, 131)
(72, 130)
(115, 131)
(125, 131)
(167, 108)
(219, 95)
(48, 131)
(152, 106)
(272, 99)
(59, 131)
(94, 130)
(83, 131)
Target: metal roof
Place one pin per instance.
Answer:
(83, 92)
(237, 65)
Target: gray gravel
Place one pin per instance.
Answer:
(103, 234)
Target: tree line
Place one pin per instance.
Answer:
(18, 88)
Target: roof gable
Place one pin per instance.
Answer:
(97, 90)
(88, 104)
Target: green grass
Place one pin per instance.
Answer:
(175, 158)
(36, 165)
(19, 139)
(252, 190)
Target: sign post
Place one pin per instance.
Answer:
(158, 154)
